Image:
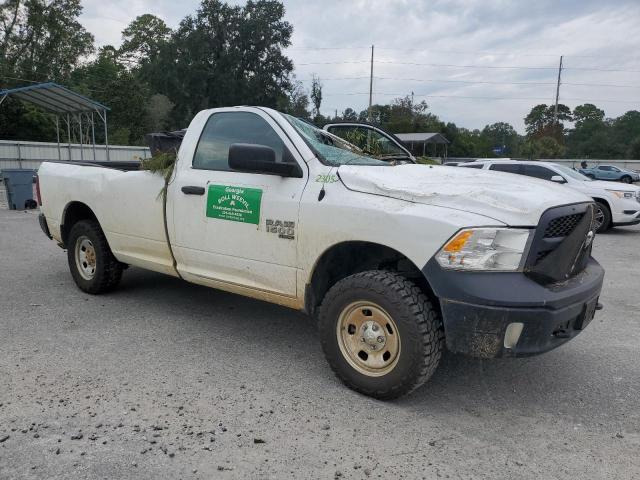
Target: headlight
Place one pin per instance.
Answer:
(488, 249)
(622, 194)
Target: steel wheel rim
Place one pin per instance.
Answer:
(368, 338)
(599, 217)
(85, 255)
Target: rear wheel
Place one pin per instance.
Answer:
(93, 267)
(603, 217)
(626, 179)
(381, 335)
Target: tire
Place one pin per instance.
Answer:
(590, 175)
(93, 267)
(411, 327)
(602, 208)
(626, 179)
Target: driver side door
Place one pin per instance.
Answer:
(238, 230)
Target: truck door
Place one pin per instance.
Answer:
(237, 228)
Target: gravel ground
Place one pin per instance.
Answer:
(162, 379)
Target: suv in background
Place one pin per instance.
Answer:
(609, 172)
(617, 205)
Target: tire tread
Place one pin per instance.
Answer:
(398, 289)
(108, 276)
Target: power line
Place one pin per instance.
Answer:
(518, 67)
(477, 97)
(472, 82)
(448, 65)
(334, 63)
(523, 53)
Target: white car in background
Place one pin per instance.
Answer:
(618, 204)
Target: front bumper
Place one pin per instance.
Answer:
(477, 308)
(627, 217)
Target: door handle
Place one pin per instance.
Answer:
(191, 190)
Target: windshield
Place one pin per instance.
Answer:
(569, 172)
(330, 149)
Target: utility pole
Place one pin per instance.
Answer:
(555, 110)
(371, 85)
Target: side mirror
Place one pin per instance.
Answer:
(558, 179)
(247, 157)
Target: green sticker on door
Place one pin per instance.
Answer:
(238, 204)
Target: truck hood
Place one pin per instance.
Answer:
(511, 199)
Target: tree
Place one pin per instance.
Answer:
(587, 112)
(540, 121)
(500, 135)
(545, 147)
(316, 95)
(634, 149)
(107, 81)
(143, 39)
(349, 115)
(296, 103)
(41, 39)
(591, 137)
(158, 109)
(224, 55)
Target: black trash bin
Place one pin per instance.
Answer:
(19, 185)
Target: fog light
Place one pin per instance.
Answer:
(512, 335)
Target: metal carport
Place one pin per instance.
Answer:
(66, 104)
(416, 139)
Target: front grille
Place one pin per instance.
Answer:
(559, 249)
(562, 226)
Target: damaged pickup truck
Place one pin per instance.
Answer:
(395, 261)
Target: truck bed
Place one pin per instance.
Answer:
(125, 200)
(115, 165)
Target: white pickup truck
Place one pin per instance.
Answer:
(396, 261)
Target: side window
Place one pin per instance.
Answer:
(477, 165)
(224, 129)
(604, 167)
(538, 172)
(506, 167)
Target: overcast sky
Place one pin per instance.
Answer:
(440, 51)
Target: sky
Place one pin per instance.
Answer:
(457, 55)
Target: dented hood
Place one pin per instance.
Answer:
(509, 198)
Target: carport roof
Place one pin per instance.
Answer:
(422, 137)
(54, 98)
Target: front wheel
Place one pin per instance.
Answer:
(93, 267)
(603, 217)
(590, 175)
(381, 335)
(626, 179)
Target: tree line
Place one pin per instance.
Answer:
(583, 132)
(222, 55)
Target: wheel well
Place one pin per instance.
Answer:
(349, 258)
(603, 201)
(73, 213)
